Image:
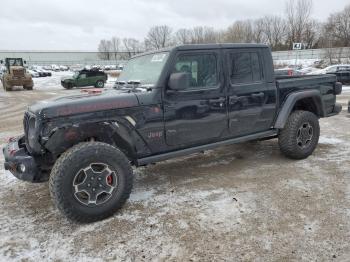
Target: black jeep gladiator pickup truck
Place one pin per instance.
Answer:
(166, 104)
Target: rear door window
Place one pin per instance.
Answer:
(245, 67)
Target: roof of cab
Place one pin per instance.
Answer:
(219, 46)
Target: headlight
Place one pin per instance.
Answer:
(31, 128)
(31, 132)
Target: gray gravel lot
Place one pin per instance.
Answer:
(238, 203)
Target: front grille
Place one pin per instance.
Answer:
(18, 72)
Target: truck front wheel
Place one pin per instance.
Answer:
(299, 138)
(7, 87)
(91, 181)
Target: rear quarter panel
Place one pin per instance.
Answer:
(324, 84)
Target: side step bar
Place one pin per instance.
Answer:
(192, 150)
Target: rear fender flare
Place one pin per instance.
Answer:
(290, 102)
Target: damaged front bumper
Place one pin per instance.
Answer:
(20, 163)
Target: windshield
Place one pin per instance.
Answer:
(145, 69)
(14, 62)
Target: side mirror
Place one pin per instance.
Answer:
(25, 61)
(179, 81)
(1, 61)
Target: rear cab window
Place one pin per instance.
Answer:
(245, 67)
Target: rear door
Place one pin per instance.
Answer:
(199, 114)
(251, 98)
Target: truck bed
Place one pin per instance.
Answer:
(323, 83)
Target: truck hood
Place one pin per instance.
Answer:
(84, 103)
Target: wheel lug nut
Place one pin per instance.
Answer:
(93, 189)
(100, 185)
(99, 179)
(89, 185)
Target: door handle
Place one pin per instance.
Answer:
(260, 95)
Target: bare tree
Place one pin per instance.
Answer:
(105, 49)
(183, 36)
(274, 28)
(115, 43)
(158, 37)
(298, 13)
(203, 35)
(258, 31)
(280, 32)
(240, 32)
(338, 28)
(131, 47)
(311, 34)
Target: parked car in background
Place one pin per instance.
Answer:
(33, 73)
(342, 72)
(55, 68)
(331, 69)
(307, 70)
(85, 77)
(337, 68)
(63, 68)
(47, 68)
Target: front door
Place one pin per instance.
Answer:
(199, 114)
(83, 80)
(251, 99)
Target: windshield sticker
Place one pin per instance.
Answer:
(158, 58)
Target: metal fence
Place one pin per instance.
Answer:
(316, 54)
(92, 57)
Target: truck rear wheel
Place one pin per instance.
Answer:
(91, 181)
(68, 86)
(299, 138)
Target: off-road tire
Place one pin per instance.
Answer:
(100, 84)
(78, 157)
(287, 138)
(68, 86)
(6, 87)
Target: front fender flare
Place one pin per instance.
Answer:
(117, 133)
(290, 102)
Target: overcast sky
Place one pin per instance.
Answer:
(80, 24)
